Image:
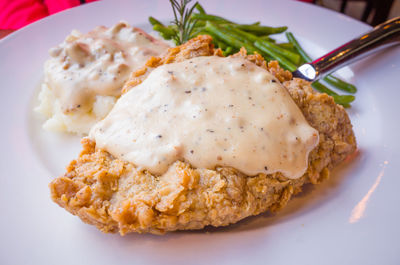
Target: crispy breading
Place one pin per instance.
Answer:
(116, 197)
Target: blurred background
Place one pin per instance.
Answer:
(372, 12)
(15, 14)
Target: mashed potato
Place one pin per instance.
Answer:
(85, 74)
(77, 122)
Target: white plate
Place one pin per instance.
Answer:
(350, 219)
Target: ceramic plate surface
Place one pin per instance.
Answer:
(353, 218)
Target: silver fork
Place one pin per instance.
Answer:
(382, 36)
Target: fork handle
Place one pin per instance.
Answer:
(382, 36)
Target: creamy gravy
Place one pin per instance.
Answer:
(209, 111)
(97, 63)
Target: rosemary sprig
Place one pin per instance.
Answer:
(183, 21)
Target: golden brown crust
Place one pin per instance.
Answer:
(272, 66)
(116, 197)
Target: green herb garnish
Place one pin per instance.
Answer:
(183, 21)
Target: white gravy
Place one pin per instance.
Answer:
(97, 63)
(209, 111)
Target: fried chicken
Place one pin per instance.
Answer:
(115, 196)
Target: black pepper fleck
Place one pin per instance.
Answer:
(266, 168)
(159, 136)
(273, 81)
(188, 91)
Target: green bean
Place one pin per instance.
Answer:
(340, 84)
(173, 27)
(339, 101)
(165, 37)
(201, 32)
(200, 24)
(292, 56)
(334, 81)
(165, 32)
(344, 100)
(221, 44)
(290, 47)
(246, 38)
(244, 35)
(235, 40)
(216, 40)
(261, 30)
(321, 88)
(281, 59)
(229, 50)
(297, 46)
(286, 45)
(227, 37)
(267, 38)
(208, 17)
(154, 21)
(200, 8)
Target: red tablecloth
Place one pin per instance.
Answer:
(15, 14)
